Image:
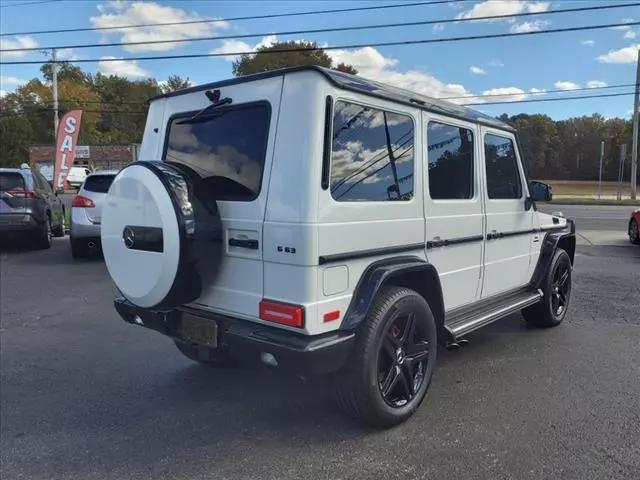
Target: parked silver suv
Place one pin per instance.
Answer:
(86, 211)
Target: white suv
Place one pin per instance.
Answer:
(320, 222)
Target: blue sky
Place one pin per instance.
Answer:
(513, 65)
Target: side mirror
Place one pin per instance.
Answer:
(540, 192)
(59, 190)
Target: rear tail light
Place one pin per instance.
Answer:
(22, 193)
(82, 202)
(283, 313)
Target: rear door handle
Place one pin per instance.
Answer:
(244, 243)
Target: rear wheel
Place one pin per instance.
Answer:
(43, 235)
(213, 357)
(634, 233)
(393, 359)
(557, 292)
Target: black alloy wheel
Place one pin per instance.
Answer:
(402, 361)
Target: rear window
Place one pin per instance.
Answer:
(226, 147)
(98, 183)
(11, 181)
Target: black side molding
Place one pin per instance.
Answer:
(454, 241)
(373, 252)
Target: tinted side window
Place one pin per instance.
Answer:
(503, 178)
(371, 154)
(98, 183)
(226, 147)
(450, 152)
(41, 182)
(11, 181)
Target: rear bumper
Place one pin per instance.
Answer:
(248, 341)
(17, 222)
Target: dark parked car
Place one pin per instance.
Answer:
(29, 207)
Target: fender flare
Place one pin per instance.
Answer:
(410, 271)
(552, 241)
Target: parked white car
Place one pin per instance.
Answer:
(86, 213)
(77, 176)
(321, 222)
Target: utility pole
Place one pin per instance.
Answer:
(623, 154)
(634, 140)
(600, 174)
(54, 82)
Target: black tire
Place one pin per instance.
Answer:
(44, 234)
(79, 249)
(389, 355)
(557, 292)
(58, 231)
(634, 232)
(212, 357)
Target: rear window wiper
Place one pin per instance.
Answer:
(202, 115)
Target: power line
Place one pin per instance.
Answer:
(553, 99)
(622, 85)
(339, 47)
(27, 3)
(323, 30)
(234, 19)
(48, 110)
(537, 93)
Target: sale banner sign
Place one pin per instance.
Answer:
(66, 143)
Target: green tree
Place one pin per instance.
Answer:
(174, 83)
(304, 55)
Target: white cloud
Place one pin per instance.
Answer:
(623, 27)
(502, 94)
(496, 63)
(506, 7)
(370, 63)
(477, 70)
(114, 14)
(588, 43)
(596, 84)
(537, 90)
(233, 46)
(630, 34)
(4, 80)
(526, 27)
(21, 41)
(623, 55)
(564, 85)
(3, 93)
(122, 68)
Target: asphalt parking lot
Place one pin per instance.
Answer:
(85, 396)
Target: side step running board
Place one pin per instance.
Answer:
(467, 320)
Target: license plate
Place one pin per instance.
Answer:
(199, 330)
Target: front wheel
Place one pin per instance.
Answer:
(634, 232)
(59, 230)
(390, 369)
(557, 292)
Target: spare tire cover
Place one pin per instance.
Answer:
(148, 224)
